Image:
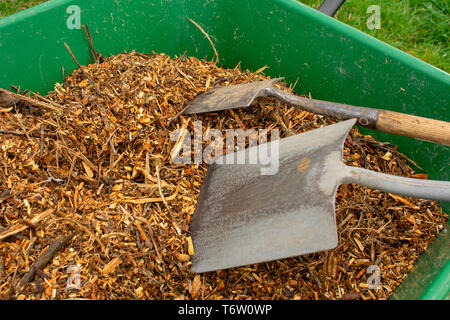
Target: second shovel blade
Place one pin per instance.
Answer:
(244, 217)
(228, 97)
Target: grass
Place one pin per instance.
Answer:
(8, 7)
(418, 27)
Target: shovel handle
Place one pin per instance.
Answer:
(330, 7)
(383, 120)
(413, 126)
(417, 188)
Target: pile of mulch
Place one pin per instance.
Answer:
(92, 206)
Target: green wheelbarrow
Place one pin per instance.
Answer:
(326, 58)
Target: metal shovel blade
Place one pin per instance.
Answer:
(228, 97)
(243, 217)
(252, 213)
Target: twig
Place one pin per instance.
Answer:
(79, 225)
(15, 133)
(227, 78)
(22, 134)
(22, 126)
(39, 283)
(63, 75)
(147, 168)
(179, 113)
(161, 193)
(43, 259)
(313, 275)
(387, 148)
(186, 77)
(2, 268)
(147, 200)
(18, 90)
(37, 95)
(137, 135)
(100, 108)
(42, 139)
(94, 53)
(150, 230)
(20, 227)
(14, 98)
(165, 202)
(28, 223)
(279, 119)
(181, 59)
(207, 36)
(11, 288)
(85, 73)
(82, 157)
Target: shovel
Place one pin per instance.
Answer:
(243, 217)
(242, 95)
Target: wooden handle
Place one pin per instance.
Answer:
(414, 126)
(383, 120)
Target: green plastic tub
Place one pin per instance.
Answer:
(329, 59)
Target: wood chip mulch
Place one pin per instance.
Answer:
(91, 205)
